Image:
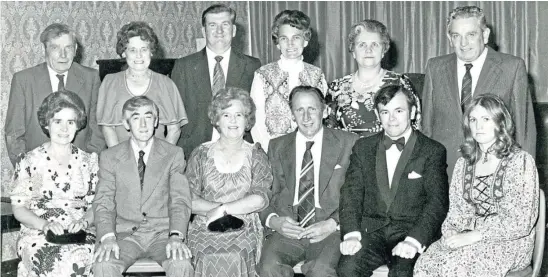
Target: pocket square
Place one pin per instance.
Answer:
(414, 175)
(338, 166)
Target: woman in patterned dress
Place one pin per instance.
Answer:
(52, 189)
(228, 176)
(494, 195)
(273, 82)
(350, 98)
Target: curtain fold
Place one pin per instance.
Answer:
(417, 29)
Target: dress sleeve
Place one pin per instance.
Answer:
(259, 132)
(518, 208)
(261, 175)
(460, 212)
(109, 105)
(92, 178)
(194, 170)
(22, 185)
(172, 108)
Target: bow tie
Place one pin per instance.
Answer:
(400, 143)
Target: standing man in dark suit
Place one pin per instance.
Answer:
(200, 75)
(395, 196)
(309, 167)
(474, 68)
(29, 87)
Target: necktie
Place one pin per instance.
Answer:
(306, 206)
(141, 167)
(218, 76)
(400, 143)
(61, 85)
(466, 92)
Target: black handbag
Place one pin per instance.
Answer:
(226, 223)
(66, 238)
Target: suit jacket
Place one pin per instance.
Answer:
(418, 205)
(501, 74)
(120, 206)
(191, 75)
(336, 149)
(29, 87)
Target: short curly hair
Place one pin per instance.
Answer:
(467, 12)
(219, 8)
(56, 30)
(504, 130)
(221, 101)
(372, 26)
(293, 18)
(58, 101)
(136, 29)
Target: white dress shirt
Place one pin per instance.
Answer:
(211, 62)
(475, 71)
(54, 80)
(300, 145)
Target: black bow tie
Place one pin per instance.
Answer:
(400, 143)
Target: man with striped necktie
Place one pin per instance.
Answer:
(309, 166)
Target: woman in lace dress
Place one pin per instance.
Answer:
(273, 82)
(52, 190)
(494, 194)
(350, 98)
(228, 176)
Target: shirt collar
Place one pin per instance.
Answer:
(317, 137)
(136, 148)
(478, 63)
(211, 55)
(53, 73)
(406, 135)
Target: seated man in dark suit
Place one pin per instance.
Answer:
(308, 166)
(200, 75)
(30, 86)
(142, 202)
(395, 196)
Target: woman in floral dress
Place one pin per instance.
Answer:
(52, 190)
(273, 82)
(493, 201)
(350, 98)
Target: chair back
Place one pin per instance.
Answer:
(540, 230)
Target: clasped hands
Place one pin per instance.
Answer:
(404, 249)
(456, 240)
(175, 248)
(57, 229)
(290, 228)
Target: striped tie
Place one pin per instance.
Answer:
(218, 76)
(466, 92)
(306, 207)
(61, 85)
(141, 167)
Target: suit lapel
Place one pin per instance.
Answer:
(154, 170)
(128, 168)
(288, 155)
(402, 163)
(75, 81)
(381, 171)
(452, 83)
(331, 152)
(236, 68)
(43, 78)
(201, 78)
(490, 73)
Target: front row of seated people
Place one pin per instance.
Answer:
(343, 205)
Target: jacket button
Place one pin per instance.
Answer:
(134, 228)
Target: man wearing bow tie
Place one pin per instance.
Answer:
(309, 166)
(395, 196)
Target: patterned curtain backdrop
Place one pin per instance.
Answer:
(177, 25)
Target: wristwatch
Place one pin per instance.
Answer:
(178, 234)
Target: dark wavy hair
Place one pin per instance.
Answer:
(221, 101)
(219, 8)
(293, 18)
(372, 26)
(504, 131)
(57, 101)
(386, 93)
(136, 29)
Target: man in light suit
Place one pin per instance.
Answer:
(449, 85)
(395, 196)
(29, 87)
(142, 203)
(200, 75)
(309, 167)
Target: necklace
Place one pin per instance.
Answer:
(138, 76)
(486, 154)
(373, 82)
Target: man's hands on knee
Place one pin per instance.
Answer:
(319, 230)
(405, 250)
(350, 246)
(107, 246)
(286, 226)
(177, 248)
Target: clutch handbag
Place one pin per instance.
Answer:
(227, 223)
(66, 238)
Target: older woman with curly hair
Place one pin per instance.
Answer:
(52, 190)
(273, 82)
(493, 200)
(229, 178)
(137, 43)
(350, 98)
